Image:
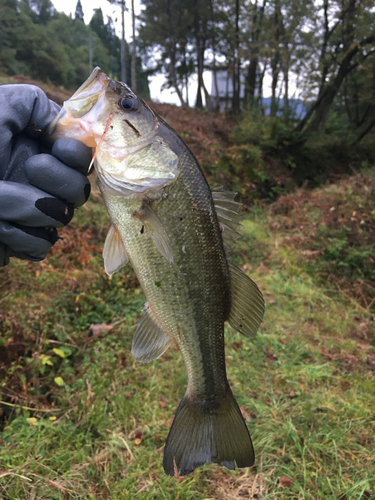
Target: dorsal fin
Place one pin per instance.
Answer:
(228, 214)
(247, 302)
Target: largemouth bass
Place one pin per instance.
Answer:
(173, 229)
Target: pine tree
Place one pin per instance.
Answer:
(79, 11)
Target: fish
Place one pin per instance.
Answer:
(177, 233)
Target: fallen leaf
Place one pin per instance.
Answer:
(162, 404)
(270, 356)
(59, 352)
(362, 440)
(59, 381)
(46, 360)
(236, 345)
(367, 495)
(96, 330)
(285, 481)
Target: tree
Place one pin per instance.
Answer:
(79, 11)
(167, 25)
(348, 40)
(44, 9)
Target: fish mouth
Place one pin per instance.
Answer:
(82, 101)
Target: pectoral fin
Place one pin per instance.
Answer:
(150, 341)
(114, 252)
(156, 230)
(247, 302)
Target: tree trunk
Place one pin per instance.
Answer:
(172, 72)
(251, 79)
(207, 97)
(254, 53)
(200, 54)
(286, 95)
(227, 91)
(214, 71)
(187, 89)
(260, 87)
(321, 108)
(322, 61)
(134, 53)
(275, 59)
(199, 100)
(365, 130)
(236, 66)
(172, 56)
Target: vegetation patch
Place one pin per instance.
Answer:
(333, 231)
(81, 419)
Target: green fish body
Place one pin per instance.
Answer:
(170, 225)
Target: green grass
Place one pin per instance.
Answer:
(305, 382)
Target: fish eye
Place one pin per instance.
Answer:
(129, 103)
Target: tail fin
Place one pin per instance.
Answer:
(215, 435)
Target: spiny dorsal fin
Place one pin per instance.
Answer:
(228, 214)
(150, 340)
(156, 230)
(114, 252)
(247, 309)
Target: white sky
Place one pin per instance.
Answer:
(155, 82)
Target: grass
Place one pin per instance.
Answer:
(82, 420)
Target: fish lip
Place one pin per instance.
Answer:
(96, 74)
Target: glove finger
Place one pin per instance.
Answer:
(4, 254)
(30, 243)
(73, 153)
(29, 206)
(50, 175)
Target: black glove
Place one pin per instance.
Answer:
(39, 186)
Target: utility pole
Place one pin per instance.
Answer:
(134, 53)
(123, 48)
(91, 48)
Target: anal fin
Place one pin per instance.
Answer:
(114, 253)
(150, 341)
(247, 302)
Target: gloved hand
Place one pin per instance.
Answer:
(39, 186)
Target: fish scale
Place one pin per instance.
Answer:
(190, 298)
(172, 228)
